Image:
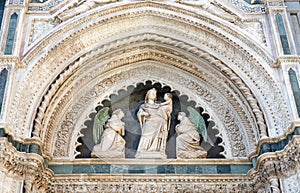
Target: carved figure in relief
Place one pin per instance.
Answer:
(82, 6)
(154, 121)
(188, 139)
(166, 107)
(112, 144)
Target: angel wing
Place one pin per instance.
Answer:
(199, 122)
(99, 122)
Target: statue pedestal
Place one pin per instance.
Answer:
(105, 155)
(151, 155)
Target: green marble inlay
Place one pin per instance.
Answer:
(240, 169)
(295, 88)
(282, 33)
(2, 132)
(150, 169)
(3, 79)
(2, 5)
(11, 34)
(62, 169)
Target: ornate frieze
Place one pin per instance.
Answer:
(28, 167)
(152, 183)
(53, 61)
(134, 75)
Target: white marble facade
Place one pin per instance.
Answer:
(226, 56)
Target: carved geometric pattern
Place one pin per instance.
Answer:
(29, 168)
(130, 76)
(215, 41)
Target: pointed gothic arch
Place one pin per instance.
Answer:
(75, 47)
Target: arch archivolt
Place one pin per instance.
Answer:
(210, 89)
(69, 52)
(221, 112)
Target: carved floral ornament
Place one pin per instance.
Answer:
(62, 141)
(262, 178)
(29, 168)
(55, 62)
(85, 101)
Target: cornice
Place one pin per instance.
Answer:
(293, 129)
(286, 59)
(12, 60)
(279, 164)
(29, 166)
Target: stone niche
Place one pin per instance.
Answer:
(129, 101)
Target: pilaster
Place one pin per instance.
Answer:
(275, 7)
(17, 7)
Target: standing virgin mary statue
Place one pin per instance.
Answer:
(154, 121)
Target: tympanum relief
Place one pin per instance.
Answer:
(154, 122)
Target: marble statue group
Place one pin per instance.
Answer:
(154, 120)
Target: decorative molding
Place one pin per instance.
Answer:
(130, 76)
(125, 61)
(29, 167)
(280, 164)
(247, 64)
(286, 59)
(294, 129)
(151, 183)
(47, 5)
(11, 61)
(40, 28)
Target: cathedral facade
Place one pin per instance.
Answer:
(230, 67)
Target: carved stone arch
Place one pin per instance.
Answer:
(73, 120)
(195, 68)
(201, 65)
(221, 39)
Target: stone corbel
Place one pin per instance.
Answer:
(28, 166)
(274, 165)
